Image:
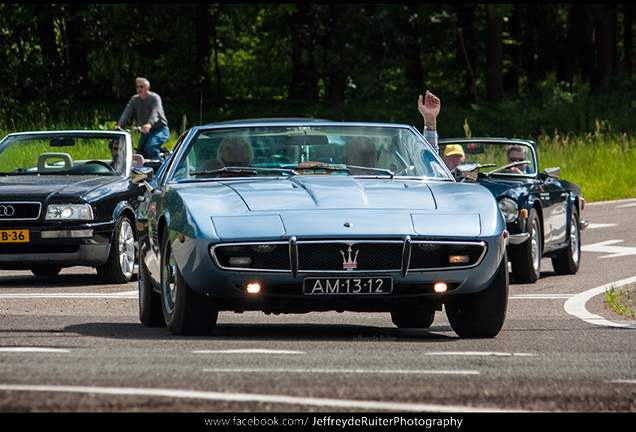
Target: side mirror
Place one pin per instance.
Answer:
(143, 175)
(467, 172)
(554, 172)
(468, 176)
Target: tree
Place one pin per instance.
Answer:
(494, 53)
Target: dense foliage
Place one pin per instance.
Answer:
(504, 69)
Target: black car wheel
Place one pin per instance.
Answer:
(526, 257)
(568, 261)
(185, 312)
(481, 315)
(150, 313)
(413, 318)
(120, 265)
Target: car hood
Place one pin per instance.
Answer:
(334, 193)
(46, 188)
(513, 188)
(316, 205)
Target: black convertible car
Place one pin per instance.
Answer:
(541, 210)
(67, 198)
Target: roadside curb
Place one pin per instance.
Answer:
(576, 305)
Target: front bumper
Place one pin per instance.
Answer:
(64, 246)
(282, 290)
(516, 239)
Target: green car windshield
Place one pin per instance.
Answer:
(65, 153)
(492, 157)
(308, 150)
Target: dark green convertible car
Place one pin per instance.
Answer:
(542, 211)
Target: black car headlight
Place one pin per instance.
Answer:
(509, 209)
(68, 212)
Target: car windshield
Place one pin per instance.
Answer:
(493, 157)
(68, 153)
(329, 149)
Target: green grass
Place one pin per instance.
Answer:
(603, 165)
(621, 301)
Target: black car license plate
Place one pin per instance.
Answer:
(363, 285)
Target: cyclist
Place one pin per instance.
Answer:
(148, 109)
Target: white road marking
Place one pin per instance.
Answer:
(576, 305)
(606, 247)
(124, 294)
(246, 397)
(541, 296)
(250, 351)
(480, 353)
(339, 371)
(629, 201)
(600, 225)
(626, 205)
(32, 350)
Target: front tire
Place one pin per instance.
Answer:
(526, 257)
(185, 312)
(481, 315)
(120, 265)
(150, 313)
(568, 261)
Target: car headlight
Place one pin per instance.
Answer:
(67, 212)
(509, 209)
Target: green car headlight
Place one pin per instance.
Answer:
(68, 212)
(509, 209)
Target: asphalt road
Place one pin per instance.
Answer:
(70, 344)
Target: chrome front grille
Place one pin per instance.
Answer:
(19, 211)
(358, 256)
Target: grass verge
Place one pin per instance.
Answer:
(621, 301)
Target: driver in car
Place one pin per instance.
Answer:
(115, 146)
(517, 153)
(362, 152)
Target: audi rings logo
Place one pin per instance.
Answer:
(6, 210)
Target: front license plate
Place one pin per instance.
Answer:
(326, 286)
(14, 236)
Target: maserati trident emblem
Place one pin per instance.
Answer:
(347, 262)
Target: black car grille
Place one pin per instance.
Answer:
(16, 211)
(335, 256)
(321, 256)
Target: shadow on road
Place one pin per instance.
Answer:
(261, 332)
(15, 279)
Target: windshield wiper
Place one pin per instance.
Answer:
(379, 170)
(246, 170)
(321, 166)
(510, 165)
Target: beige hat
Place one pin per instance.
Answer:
(453, 149)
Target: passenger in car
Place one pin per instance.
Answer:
(453, 156)
(429, 106)
(234, 151)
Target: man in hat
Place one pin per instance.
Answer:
(453, 156)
